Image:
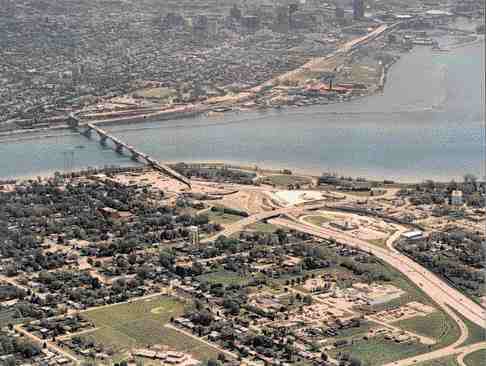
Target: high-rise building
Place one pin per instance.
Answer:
(194, 235)
(358, 9)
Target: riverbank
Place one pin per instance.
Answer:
(286, 170)
(375, 137)
(248, 167)
(238, 101)
(190, 111)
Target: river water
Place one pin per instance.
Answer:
(428, 123)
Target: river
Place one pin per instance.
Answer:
(428, 123)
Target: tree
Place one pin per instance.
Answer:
(212, 362)
(166, 259)
(307, 300)
(132, 258)
(200, 220)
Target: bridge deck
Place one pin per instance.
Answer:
(150, 161)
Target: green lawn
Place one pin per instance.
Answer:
(477, 358)
(223, 277)
(378, 351)
(476, 333)
(217, 217)
(263, 227)
(445, 327)
(141, 323)
(318, 220)
(446, 361)
(435, 325)
(378, 242)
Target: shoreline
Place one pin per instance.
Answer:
(274, 169)
(201, 109)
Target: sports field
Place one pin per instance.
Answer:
(223, 277)
(142, 323)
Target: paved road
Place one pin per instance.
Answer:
(214, 346)
(468, 350)
(423, 339)
(241, 224)
(50, 345)
(461, 352)
(12, 281)
(432, 285)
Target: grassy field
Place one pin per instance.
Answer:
(476, 358)
(223, 277)
(319, 220)
(413, 292)
(446, 361)
(141, 323)
(285, 179)
(435, 325)
(365, 327)
(263, 227)
(378, 242)
(156, 93)
(378, 351)
(449, 331)
(476, 333)
(217, 217)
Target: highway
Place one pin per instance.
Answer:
(460, 352)
(253, 219)
(464, 351)
(445, 296)
(432, 285)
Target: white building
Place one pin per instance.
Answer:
(456, 198)
(413, 235)
(194, 235)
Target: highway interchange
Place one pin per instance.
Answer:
(449, 299)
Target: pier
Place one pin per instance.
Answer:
(122, 148)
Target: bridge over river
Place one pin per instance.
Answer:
(121, 147)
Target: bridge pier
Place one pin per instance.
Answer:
(87, 132)
(103, 139)
(135, 155)
(119, 148)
